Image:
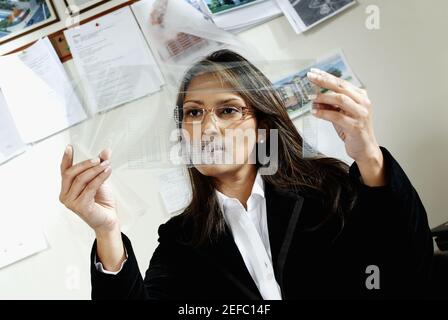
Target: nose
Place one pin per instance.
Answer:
(209, 126)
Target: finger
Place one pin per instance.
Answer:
(84, 178)
(67, 158)
(92, 187)
(335, 117)
(66, 163)
(69, 175)
(328, 81)
(105, 154)
(343, 102)
(325, 106)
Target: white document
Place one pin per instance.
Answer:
(113, 60)
(18, 239)
(38, 93)
(10, 142)
(174, 187)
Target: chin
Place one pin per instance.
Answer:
(216, 170)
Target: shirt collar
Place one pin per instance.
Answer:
(257, 189)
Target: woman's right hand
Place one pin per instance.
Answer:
(84, 191)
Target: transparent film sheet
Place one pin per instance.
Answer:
(144, 133)
(148, 134)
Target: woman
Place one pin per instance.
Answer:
(314, 228)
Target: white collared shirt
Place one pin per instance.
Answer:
(250, 233)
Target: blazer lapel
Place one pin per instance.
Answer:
(283, 210)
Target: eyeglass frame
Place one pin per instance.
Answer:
(245, 111)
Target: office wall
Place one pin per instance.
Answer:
(403, 65)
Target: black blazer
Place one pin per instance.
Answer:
(387, 228)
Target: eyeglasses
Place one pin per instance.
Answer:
(224, 115)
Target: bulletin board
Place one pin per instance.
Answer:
(387, 62)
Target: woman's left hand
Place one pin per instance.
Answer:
(349, 109)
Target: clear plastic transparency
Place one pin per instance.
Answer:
(144, 135)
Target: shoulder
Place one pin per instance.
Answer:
(177, 229)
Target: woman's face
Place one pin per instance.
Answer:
(225, 139)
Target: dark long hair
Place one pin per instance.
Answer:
(326, 178)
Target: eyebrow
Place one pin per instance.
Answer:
(219, 102)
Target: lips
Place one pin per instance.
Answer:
(206, 152)
(207, 146)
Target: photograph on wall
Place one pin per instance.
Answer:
(20, 17)
(305, 14)
(76, 7)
